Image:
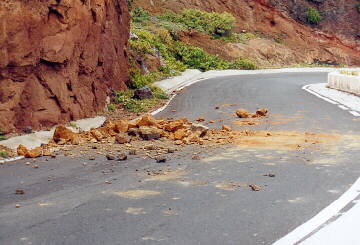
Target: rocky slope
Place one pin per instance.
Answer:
(59, 59)
(301, 43)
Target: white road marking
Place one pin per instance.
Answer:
(355, 114)
(343, 107)
(316, 230)
(345, 101)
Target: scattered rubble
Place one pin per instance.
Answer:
(160, 159)
(19, 192)
(255, 187)
(122, 157)
(242, 113)
(269, 175)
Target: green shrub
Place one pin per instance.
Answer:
(236, 37)
(139, 15)
(111, 107)
(358, 7)
(4, 154)
(2, 137)
(243, 63)
(197, 58)
(313, 16)
(201, 21)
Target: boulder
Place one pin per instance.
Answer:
(97, 134)
(181, 134)
(63, 134)
(121, 126)
(147, 121)
(226, 128)
(261, 112)
(34, 153)
(149, 133)
(199, 129)
(22, 150)
(242, 113)
(122, 138)
(143, 93)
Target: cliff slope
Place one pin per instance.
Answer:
(302, 43)
(59, 59)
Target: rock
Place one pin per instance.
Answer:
(19, 192)
(143, 93)
(121, 126)
(175, 125)
(22, 150)
(242, 113)
(122, 138)
(255, 187)
(132, 152)
(63, 67)
(149, 133)
(226, 128)
(195, 157)
(122, 157)
(270, 175)
(181, 134)
(160, 159)
(34, 153)
(28, 130)
(62, 133)
(110, 157)
(147, 121)
(96, 134)
(35, 166)
(133, 36)
(133, 132)
(200, 119)
(17, 205)
(261, 112)
(150, 147)
(199, 129)
(108, 128)
(92, 158)
(47, 152)
(170, 150)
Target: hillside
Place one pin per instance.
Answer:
(296, 42)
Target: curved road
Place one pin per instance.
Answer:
(77, 208)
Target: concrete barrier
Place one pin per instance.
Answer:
(346, 83)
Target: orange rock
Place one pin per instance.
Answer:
(261, 112)
(34, 153)
(200, 119)
(22, 150)
(97, 134)
(62, 133)
(226, 128)
(122, 138)
(121, 126)
(181, 134)
(47, 152)
(109, 128)
(242, 113)
(174, 126)
(147, 121)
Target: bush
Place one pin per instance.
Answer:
(4, 154)
(313, 16)
(358, 7)
(201, 21)
(197, 58)
(139, 15)
(243, 63)
(111, 107)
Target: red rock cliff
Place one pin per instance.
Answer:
(59, 59)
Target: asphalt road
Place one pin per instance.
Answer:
(67, 202)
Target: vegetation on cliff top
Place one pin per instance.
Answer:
(158, 38)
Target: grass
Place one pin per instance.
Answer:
(2, 137)
(313, 16)
(111, 107)
(4, 154)
(125, 98)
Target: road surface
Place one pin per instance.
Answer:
(67, 202)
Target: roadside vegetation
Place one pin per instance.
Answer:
(358, 7)
(313, 16)
(156, 39)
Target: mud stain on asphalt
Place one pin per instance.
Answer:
(229, 186)
(135, 211)
(192, 183)
(137, 194)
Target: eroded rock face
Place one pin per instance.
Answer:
(59, 59)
